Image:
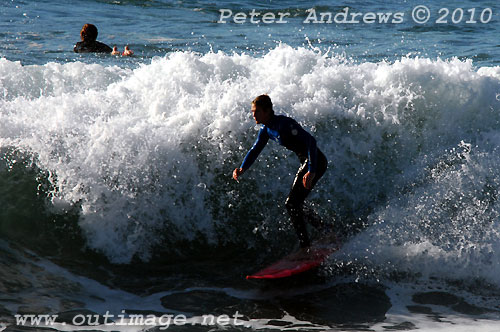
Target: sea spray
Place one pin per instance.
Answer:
(148, 152)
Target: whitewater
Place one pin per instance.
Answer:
(142, 157)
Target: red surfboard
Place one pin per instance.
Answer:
(298, 262)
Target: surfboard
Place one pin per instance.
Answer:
(300, 261)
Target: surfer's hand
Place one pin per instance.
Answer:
(237, 172)
(308, 179)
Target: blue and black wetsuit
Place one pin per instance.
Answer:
(287, 132)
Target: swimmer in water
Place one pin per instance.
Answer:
(89, 44)
(115, 51)
(127, 51)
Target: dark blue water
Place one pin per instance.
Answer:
(41, 31)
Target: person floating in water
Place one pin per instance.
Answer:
(115, 51)
(287, 132)
(127, 51)
(89, 44)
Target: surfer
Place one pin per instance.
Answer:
(89, 44)
(287, 132)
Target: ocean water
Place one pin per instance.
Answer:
(116, 193)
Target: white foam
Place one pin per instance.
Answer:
(151, 150)
(444, 228)
(442, 319)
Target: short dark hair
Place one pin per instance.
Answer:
(264, 102)
(89, 32)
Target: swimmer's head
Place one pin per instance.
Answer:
(126, 48)
(88, 32)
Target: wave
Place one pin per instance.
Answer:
(146, 154)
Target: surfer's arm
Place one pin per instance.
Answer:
(291, 128)
(253, 153)
(305, 138)
(256, 149)
(312, 153)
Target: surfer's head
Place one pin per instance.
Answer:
(262, 109)
(88, 32)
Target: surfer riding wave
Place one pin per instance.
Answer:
(287, 132)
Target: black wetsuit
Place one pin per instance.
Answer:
(92, 47)
(287, 132)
